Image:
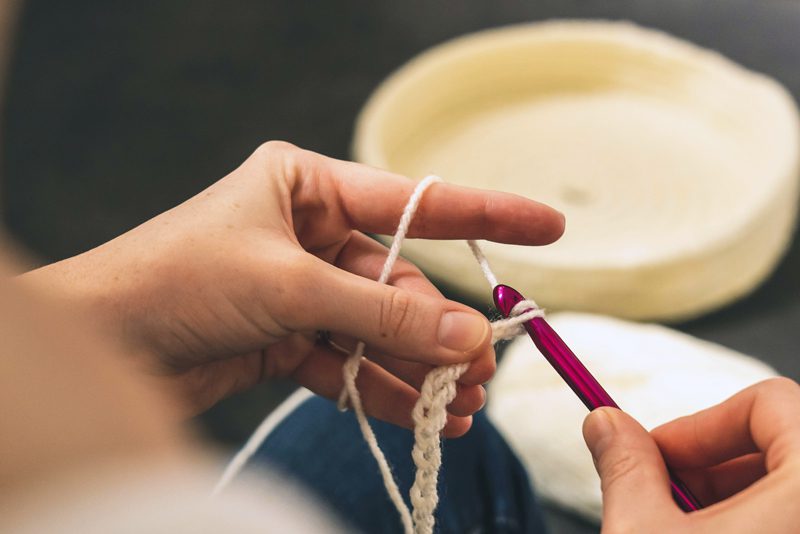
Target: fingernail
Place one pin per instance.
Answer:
(598, 431)
(462, 331)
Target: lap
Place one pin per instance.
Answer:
(482, 485)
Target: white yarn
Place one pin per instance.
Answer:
(267, 425)
(483, 262)
(351, 366)
(388, 265)
(429, 413)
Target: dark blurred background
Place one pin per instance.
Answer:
(118, 110)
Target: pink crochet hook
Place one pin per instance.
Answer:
(577, 377)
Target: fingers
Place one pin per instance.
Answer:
(634, 480)
(383, 396)
(469, 397)
(744, 453)
(468, 400)
(763, 417)
(365, 257)
(406, 324)
(714, 484)
(373, 201)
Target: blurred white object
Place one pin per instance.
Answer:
(165, 499)
(654, 373)
(676, 168)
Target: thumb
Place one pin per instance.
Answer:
(633, 476)
(406, 324)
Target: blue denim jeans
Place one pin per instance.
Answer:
(483, 487)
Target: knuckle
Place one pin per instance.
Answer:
(404, 269)
(480, 370)
(486, 211)
(272, 148)
(289, 160)
(617, 468)
(782, 384)
(297, 267)
(396, 312)
(284, 361)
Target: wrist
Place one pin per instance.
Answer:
(78, 286)
(103, 296)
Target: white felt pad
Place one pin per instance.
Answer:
(654, 373)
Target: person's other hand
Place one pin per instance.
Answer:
(230, 287)
(740, 458)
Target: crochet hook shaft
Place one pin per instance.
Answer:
(579, 379)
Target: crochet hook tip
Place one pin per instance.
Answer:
(505, 298)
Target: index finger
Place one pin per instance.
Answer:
(762, 418)
(373, 201)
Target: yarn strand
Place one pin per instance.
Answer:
(429, 413)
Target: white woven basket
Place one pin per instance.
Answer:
(676, 168)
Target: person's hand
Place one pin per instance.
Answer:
(740, 458)
(230, 287)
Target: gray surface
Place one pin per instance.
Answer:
(119, 110)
